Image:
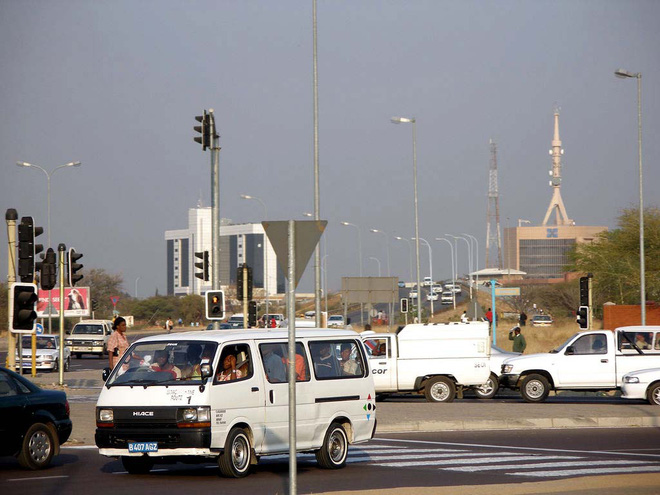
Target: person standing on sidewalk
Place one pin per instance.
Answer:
(519, 342)
(523, 318)
(117, 343)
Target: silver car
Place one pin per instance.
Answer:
(48, 353)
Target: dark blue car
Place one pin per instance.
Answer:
(33, 422)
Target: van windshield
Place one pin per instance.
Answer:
(163, 363)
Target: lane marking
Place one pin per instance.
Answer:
(443, 456)
(487, 460)
(589, 471)
(473, 469)
(38, 478)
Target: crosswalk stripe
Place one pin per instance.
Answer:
(486, 460)
(451, 455)
(587, 471)
(544, 465)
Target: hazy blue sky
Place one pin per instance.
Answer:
(116, 85)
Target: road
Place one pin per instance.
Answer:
(621, 460)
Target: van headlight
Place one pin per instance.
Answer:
(630, 379)
(507, 368)
(105, 418)
(194, 417)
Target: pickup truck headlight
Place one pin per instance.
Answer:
(98, 342)
(507, 368)
(68, 342)
(630, 379)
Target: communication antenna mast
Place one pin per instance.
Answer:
(556, 203)
(493, 237)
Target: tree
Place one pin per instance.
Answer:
(103, 286)
(613, 259)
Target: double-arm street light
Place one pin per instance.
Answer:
(453, 268)
(360, 260)
(387, 246)
(247, 196)
(405, 120)
(399, 238)
(48, 176)
(642, 271)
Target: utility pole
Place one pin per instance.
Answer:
(61, 248)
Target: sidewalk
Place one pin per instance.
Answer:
(413, 413)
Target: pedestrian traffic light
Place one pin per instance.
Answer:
(74, 267)
(27, 249)
(49, 270)
(215, 305)
(584, 291)
(203, 265)
(252, 314)
(404, 304)
(204, 130)
(23, 305)
(583, 316)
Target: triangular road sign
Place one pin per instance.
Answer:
(307, 232)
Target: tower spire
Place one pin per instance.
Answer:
(493, 237)
(556, 203)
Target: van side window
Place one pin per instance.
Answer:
(271, 356)
(337, 359)
(235, 364)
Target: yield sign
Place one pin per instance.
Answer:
(115, 300)
(307, 235)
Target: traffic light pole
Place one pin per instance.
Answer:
(215, 208)
(244, 268)
(61, 248)
(11, 216)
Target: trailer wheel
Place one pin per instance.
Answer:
(488, 389)
(534, 388)
(440, 389)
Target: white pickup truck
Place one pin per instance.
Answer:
(594, 361)
(435, 359)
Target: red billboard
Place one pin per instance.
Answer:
(76, 302)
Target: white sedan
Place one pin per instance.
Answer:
(48, 353)
(642, 384)
(432, 296)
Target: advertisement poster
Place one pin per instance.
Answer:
(76, 302)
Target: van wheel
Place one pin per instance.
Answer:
(235, 461)
(488, 389)
(39, 446)
(653, 395)
(534, 388)
(333, 452)
(137, 465)
(440, 389)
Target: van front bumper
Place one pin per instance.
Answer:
(171, 440)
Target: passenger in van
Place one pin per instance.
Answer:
(348, 366)
(162, 364)
(323, 364)
(301, 368)
(192, 370)
(273, 364)
(229, 372)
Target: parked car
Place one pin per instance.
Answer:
(89, 337)
(642, 384)
(48, 353)
(542, 321)
(335, 321)
(33, 422)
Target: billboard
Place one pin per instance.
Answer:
(76, 302)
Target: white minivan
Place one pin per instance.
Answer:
(223, 395)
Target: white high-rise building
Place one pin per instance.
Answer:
(241, 243)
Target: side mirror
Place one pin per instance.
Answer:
(106, 374)
(207, 371)
(570, 350)
(68, 332)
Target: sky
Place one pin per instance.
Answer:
(116, 85)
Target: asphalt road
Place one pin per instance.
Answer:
(538, 461)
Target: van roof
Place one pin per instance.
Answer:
(258, 334)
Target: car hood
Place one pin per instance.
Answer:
(41, 352)
(524, 361)
(650, 374)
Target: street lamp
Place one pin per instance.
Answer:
(624, 74)
(405, 120)
(476, 257)
(453, 269)
(377, 261)
(387, 246)
(455, 255)
(247, 196)
(419, 290)
(48, 176)
(399, 238)
(324, 281)
(522, 221)
(469, 246)
(360, 260)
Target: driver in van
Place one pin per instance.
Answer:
(162, 364)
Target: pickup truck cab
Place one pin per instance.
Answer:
(595, 360)
(434, 359)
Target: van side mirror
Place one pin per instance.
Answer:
(206, 370)
(570, 350)
(106, 374)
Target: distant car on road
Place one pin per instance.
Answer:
(427, 281)
(413, 294)
(447, 297)
(34, 422)
(401, 284)
(542, 321)
(89, 337)
(236, 320)
(432, 296)
(223, 326)
(48, 353)
(335, 321)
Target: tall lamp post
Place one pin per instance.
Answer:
(476, 257)
(247, 196)
(360, 260)
(642, 271)
(405, 120)
(324, 271)
(469, 248)
(455, 256)
(399, 238)
(377, 261)
(48, 176)
(387, 247)
(453, 269)
(419, 291)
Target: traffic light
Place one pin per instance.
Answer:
(23, 304)
(239, 283)
(404, 305)
(249, 283)
(215, 305)
(49, 270)
(583, 317)
(27, 249)
(205, 130)
(95, 305)
(74, 267)
(252, 314)
(584, 291)
(203, 265)
(241, 280)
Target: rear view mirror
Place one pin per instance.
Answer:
(106, 373)
(207, 371)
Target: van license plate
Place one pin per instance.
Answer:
(143, 447)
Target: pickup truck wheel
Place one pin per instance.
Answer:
(333, 452)
(488, 389)
(653, 394)
(235, 460)
(535, 388)
(440, 389)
